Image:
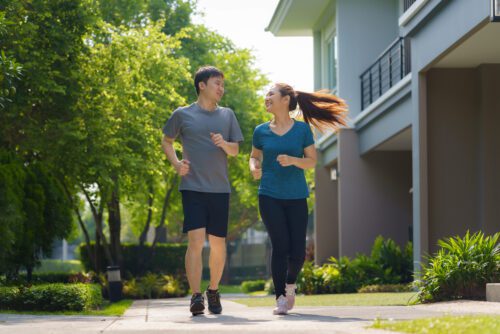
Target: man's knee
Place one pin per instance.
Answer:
(217, 242)
(196, 242)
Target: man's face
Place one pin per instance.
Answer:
(213, 89)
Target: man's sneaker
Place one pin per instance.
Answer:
(197, 304)
(290, 295)
(213, 298)
(281, 306)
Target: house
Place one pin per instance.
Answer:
(420, 159)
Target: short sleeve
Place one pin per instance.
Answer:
(308, 137)
(257, 139)
(235, 135)
(173, 125)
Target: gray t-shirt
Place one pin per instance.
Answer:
(208, 168)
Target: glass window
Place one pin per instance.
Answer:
(332, 63)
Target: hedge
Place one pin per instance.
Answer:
(52, 277)
(51, 297)
(251, 286)
(165, 259)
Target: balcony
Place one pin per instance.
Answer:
(495, 10)
(390, 67)
(407, 4)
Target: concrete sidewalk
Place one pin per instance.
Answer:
(172, 316)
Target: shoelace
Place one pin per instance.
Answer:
(213, 298)
(282, 302)
(197, 298)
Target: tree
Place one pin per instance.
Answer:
(128, 88)
(45, 39)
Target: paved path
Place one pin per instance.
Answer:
(171, 316)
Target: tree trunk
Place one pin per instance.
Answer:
(100, 237)
(29, 274)
(161, 225)
(144, 234)
(82, 226)
(114, 221)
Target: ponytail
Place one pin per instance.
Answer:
(319, 109)
(322, 110)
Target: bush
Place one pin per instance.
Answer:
(386, 265)
(461, 268)
(269, 287)
(53, 277)
(396, 263)
(251, 286)
(138, 261)
(385, 288)
(51, 297)
(154, 286)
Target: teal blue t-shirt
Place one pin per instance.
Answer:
(277, 181)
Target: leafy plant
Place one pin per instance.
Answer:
(461, 268)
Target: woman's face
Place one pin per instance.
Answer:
(275, 101)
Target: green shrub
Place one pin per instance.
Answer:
(251, 286)
(53, 277)
(387, 264)
(461, 268)
(51, 297)
(396, 263)
(138, 261)
(154, 286)
(385, 288)
(269, 287)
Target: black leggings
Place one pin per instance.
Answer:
(286, 223)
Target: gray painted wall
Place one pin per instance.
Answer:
(374, 195)
(365, 28)
(463, 151)
(326, 220)
(489, 141)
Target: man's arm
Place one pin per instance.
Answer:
(231, 149)
(181, 166)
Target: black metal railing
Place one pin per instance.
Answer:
(408, 3)
(495, 10)
(390, 67)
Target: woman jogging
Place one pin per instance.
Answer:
(282, 149)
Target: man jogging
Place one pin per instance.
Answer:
(209, 133)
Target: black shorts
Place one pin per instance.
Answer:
(208, 210)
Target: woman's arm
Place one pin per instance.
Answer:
(255, 163)
(308, 161)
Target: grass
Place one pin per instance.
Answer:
(444, 325)
(107, 309)
(67, 266)
(258, 293)
(348, 299)
(223, 288)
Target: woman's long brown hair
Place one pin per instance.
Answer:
(319, 109)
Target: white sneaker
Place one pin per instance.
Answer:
(290, 295)
(281, 306)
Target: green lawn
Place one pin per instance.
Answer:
(108, 309)
(444, 325)
(223, 288)
(49, 265)
(348, 299)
